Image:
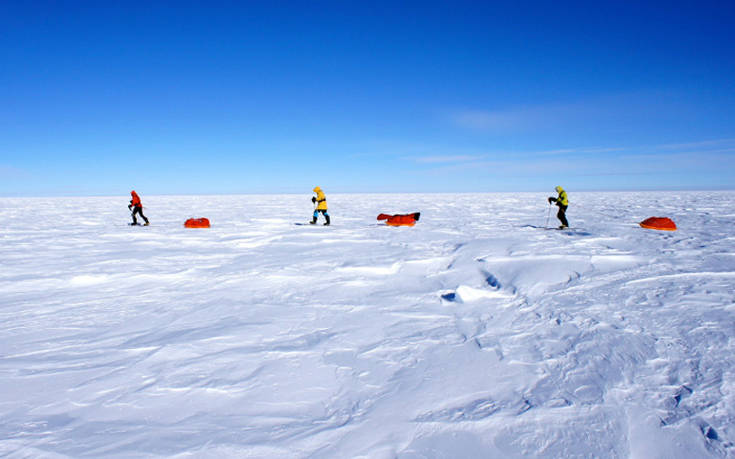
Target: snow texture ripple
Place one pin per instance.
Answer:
(474, 334)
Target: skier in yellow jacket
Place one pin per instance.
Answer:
(563, 202)
(321, 205)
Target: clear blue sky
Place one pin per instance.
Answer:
(97, 98)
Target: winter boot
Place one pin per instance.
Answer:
(327, 217)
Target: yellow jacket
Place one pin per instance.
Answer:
(562, 199)
(320, 199)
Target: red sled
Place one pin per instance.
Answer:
(197, 223)
(400, 219)
(659, 223)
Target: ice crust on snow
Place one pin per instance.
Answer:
(474, 334)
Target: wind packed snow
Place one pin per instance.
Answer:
(474, 334)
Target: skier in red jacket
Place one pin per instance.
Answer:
(137, 208)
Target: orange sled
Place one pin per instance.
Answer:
(659, 223)
(400, 219)
(197, 223)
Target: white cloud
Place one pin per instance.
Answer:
(596, 113)
(581, 150)
(522, 118)
(729, 145)
(447, 159)
(488, 121)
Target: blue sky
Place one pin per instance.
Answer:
(97, 98)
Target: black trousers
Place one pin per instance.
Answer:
(324, 212)
(138, 210)
(561, 215)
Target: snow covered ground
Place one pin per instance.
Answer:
(474, 334)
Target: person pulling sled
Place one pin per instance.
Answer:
(137, 207)
(563, 202)
(321, 206)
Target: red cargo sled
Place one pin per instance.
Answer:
(659, 223)
(400, 219)
(197, 223)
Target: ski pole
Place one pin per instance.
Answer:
(548, 214)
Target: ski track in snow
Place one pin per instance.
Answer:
(472, 334)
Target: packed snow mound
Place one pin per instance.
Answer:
(475, 334)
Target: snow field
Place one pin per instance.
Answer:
(473, 334)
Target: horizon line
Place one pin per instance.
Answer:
(623, 190)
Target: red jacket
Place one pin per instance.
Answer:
(136, 199)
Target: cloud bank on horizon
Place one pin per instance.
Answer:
(277, 98)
